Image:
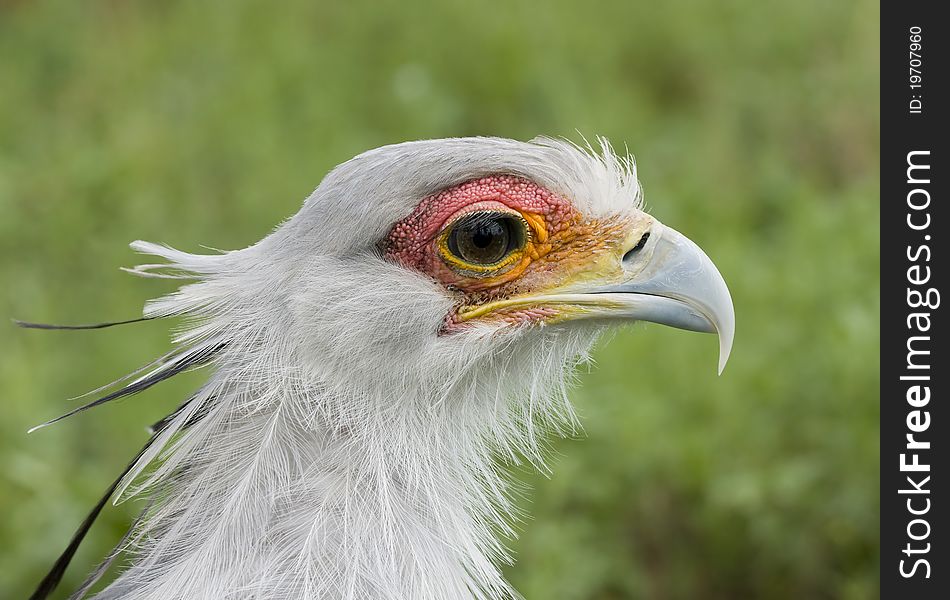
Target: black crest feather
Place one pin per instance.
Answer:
(167, 366)
(51, 326)
(52, 579)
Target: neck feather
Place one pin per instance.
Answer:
(259, 499)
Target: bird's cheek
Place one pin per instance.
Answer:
(591, 251)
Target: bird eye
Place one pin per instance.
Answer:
(481, 242)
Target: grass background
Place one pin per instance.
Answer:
(755, 128)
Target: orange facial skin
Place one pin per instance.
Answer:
(561, 247)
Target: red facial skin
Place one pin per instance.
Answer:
(559, 240)
(411, 240)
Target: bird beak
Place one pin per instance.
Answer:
(671, 281)
(664, 277)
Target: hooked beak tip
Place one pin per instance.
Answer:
(674, 283)
(725, 348)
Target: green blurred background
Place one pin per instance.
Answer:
(755, 128)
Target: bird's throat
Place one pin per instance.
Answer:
(287, 507)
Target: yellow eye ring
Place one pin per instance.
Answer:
(484, 243)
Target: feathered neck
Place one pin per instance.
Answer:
(257, 503)
(303, 472)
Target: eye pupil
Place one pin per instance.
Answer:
(483, 239)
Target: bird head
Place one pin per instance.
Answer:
(468, 267)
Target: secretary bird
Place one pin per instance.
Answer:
(375, 358)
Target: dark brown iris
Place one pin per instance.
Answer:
(485, 238)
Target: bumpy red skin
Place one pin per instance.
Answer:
(560, 241)
(412, 240)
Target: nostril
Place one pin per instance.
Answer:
(630, 253)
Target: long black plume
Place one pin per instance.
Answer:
(177, 364)
(164, 421)
(29, 325)
(52, 579)
(97, 574)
